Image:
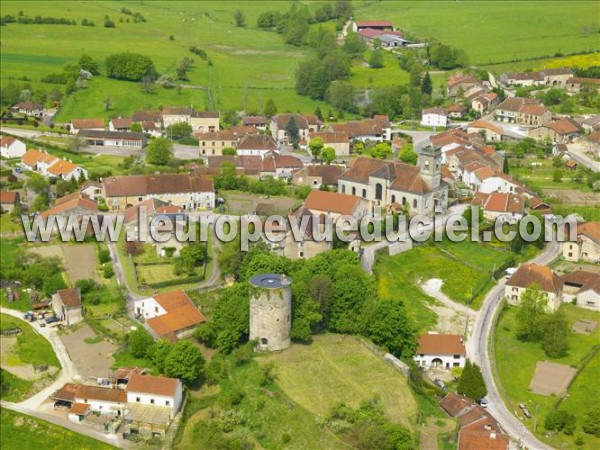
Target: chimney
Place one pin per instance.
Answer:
(492, 435)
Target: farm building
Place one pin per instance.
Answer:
(67, 305)
(11, 147)
(441, 350)
(113, 138)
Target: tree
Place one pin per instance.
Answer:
(320, 289)
(159, 151)
(292, 130)
(228, 151)
(591, 421)
(316, 145)
(240, 18)
(557, 175)
(427, 85)
(37, 183)
(354, 45)
(87, 63)
(376, 59)
(182, 69)
(129, 66)
(381, 151)
(530, 315)
(471, 383)
(555, 329)
(76, 144)
(139, 342)
(328, 155)
(318, 113)
(505, 166)
(270, 108)
(40, 203)
(468, 215)
(185, 361)
(159, 352)
(408, 155)
(191, 256)
(107, 103)
(390, 328)
(179, 130)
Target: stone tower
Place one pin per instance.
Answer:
(270, 311)
(430, 163)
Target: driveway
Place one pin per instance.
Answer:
(91, 360)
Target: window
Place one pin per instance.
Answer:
(167, 403)
(364, 193)
(137, 399)
(456, 356)
(156, 309)
(152, 401)
(378, 191)
(570, 254)
(343, 188)
(393, 199)
(415, 203)
(353, 191)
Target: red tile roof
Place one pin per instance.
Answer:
(134, 185)
(32, 157)
(370, 32)
(79, 408)
(441, 344)
(590, 229)
(83, 124)
(71, 297)
(257, 142)
(528, 275)
(329, 174)
(333, 202)
(121, 122)
(456, 405)
(181, 314)
(564, 126)
(8, 197)
(486, 125)
(148, 384)
(101, 394)
(374, 23)
(79, 202)
(6, 141)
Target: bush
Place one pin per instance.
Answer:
(103, 255)
(108, 270)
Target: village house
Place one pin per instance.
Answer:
(152, 403)
(29, 109)
(120, 124)
(9, 200)
(249, 166)
(364, 130)
(256, 145)
(499, 182)
(279, 166)
(587, 246)
(434, 117)
(100, 138)
(74, 204)
(66, 170)
(67, 306)
(591, 124)
(175, 115)
(189, 192)
(534, 276)
(418, 189)
(574, 85)
(83, 400)
(334, 204)
(317, 176)
(583, 288)
(205, 121)
(463, 85)
(51, 166)
(92, 189)
(259, 122)
(441, 350)
(11, 147)
(558, 76)
(492, 133)
(339, 141)
(147, 117)
(523, 79)
(305, 124)
(170, 315)
(212, 143)
(457, 110)
(485, 103)
(500, 204)
(522, 111)
(86, 124)
(560, 131)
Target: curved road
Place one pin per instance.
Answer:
(478, 351)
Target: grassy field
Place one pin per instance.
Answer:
(542, 175)
(31, 348)
(25, 432)
(399, 275)
(492, 32)
(515, 378)
(337, 366)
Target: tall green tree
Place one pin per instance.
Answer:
(390, 328)
(427, 85)
(531, 314)
(159, 151)
(555, 331)
(139, 342)
(292, 131)
(270, 108)
(316, 145)
(471, 383)
(185, 361)
(129, 66)
(376, 59)
(240, 18)
(328, 155)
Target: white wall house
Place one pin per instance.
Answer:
(441, 350)
(102, 400)
(434, 117)
(497, 184)
(11, 147)
(156, 391)
(528, 276)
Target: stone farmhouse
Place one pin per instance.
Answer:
(190, 192)
(339, 141)
(587, 245)
(561, 131)
(583, 288)
(522, 111)
(316, 176)
(530, 276)
(441, 350)
(305, 123)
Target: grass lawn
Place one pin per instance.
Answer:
(31, 348)
(520, 30)
(20, 431)
(14, 389)
(9, 249)
(10, 224)
(542, 176)
(515, 378)
(337, 366)
(587, 212)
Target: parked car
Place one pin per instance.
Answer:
(483, 402)
(52, 319)
(30, 316)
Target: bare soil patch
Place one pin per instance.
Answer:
(551, 378)
(91, 360)
(79, 260)
(574, 197)
(584, 326)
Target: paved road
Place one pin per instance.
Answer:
(420, 138)
(478, 351)
(578, 151)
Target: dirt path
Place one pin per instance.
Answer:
(453, 317)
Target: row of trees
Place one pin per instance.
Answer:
(330, 293)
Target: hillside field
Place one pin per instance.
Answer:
(252, 65)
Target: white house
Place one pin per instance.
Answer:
(67, 305)
(11, 147)
(168, 315)
(534, 276)
(441, 350)
(583, 287)
(434, 117)
(104, 401)
(587, 245)
(498, 183)
(157, 391)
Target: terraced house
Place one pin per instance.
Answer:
(395, 185)
(190, 192)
